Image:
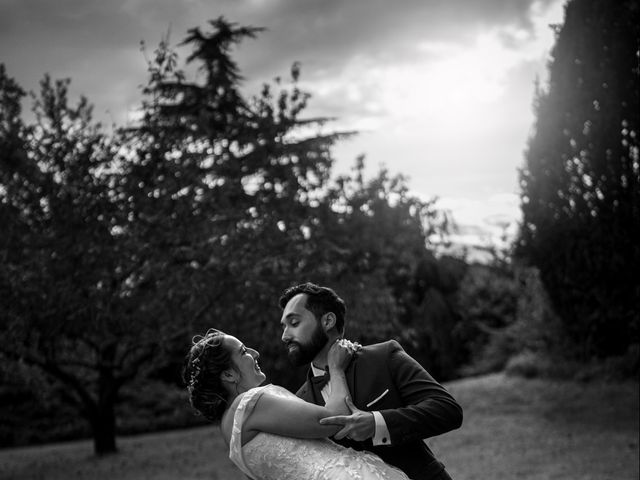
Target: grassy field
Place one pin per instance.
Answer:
(514, 429)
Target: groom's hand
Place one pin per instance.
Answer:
(358, 426)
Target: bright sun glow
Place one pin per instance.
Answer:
(456, 86)
(456, 115)
(446, 85)
(450, 85)
(416, 110)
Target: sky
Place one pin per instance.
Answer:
(441, 91)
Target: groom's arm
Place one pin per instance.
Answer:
(428, 409)
(424, 407)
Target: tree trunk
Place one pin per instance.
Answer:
(103, 421)
(103, 425)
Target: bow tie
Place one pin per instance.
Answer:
(320, 380)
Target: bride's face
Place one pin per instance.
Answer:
(245, 362)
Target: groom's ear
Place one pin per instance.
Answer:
(328, 321)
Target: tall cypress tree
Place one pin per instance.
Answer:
(581, 178)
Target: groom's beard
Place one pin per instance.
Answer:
(306, 352)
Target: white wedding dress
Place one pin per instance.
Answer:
(273, 457)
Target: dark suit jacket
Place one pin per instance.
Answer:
(416, 406)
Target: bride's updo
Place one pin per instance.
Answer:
(206, 360)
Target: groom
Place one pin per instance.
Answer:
(395, 402)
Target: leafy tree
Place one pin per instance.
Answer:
(507, 317)
(119, 248)
(581, 179)
(487, 300)
(371, 242)
(64, 309)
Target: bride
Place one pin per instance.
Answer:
(271, 433)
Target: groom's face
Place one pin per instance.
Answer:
(302, 333)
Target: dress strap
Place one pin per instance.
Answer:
(244, 409)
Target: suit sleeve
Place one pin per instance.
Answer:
(429, 409)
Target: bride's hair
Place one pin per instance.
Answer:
(206, 360)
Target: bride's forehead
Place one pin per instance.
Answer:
(231, 342)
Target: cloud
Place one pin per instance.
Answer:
(482, 224)
(322, 34)
(441, 90)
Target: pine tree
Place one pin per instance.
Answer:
(248, 169)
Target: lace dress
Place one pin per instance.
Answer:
(273, 457)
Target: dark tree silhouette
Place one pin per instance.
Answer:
(65, 293)
(118, 248)
(581, 179)
(372, 242)
(253, 169)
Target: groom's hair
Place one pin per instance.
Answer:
(320, 300)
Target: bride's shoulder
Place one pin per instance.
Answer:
(277, 391)
(245, 403)
(247, 400)
(259, 397)
(238, 405)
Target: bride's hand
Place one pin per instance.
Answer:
(340, 354)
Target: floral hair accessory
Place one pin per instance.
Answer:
(195, 371)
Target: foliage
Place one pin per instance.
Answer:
(117, 248)
(487, 301)
(251, 173)
(120, 247)
(66, 277)
(37, 413)
(507, 317)
(581, 179)
(370, 237)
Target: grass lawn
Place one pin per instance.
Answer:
(539, 429)
(513, 429)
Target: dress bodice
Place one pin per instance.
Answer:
(273, 457)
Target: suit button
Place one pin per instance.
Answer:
(384, 439)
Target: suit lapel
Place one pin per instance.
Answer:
(305, 393)
(308, 391)
(350, 375)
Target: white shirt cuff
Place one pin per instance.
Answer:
(381, 435)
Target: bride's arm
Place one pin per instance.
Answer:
(293, 417)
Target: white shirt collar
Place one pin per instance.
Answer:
(317, 372)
